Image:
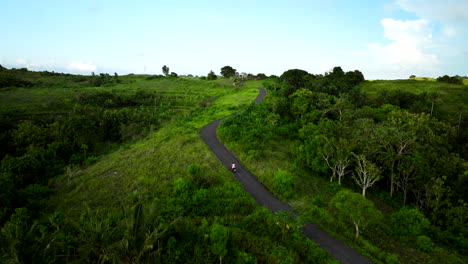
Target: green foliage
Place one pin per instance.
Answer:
(293, 80)
(228, 71)
(195, 170)
(394, 137)
(219, 236)
(103, 79)
(356, 210)
(408, 223)
(448, 79)
(400, 98)
(392, 259)
(281, 255)
(211, 76)
(261, 76)
(424, 243)
(283, 183)
(10, 80)
(165, 70)
(245, 258)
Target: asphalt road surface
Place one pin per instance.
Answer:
(264, 197)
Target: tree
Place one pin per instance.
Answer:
(407, 169)
(301, 102)
(367, 173)
(408, 223)
(228, 71)
(433, 97)
(173, 74)
(355, 209)
(448, 79)
(212, 76)
(337, 155)
(165, 70)
(343, 104)
(219, 236)
(293, 80)
(261, 76)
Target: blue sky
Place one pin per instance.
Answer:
(385, 39)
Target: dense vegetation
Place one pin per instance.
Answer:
(395, 144)
(111, 169)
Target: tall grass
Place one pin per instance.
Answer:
(147, 169)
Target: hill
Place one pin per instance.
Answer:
(125, 177)
(449, 102)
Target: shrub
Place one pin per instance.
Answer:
(194, 170)
(392, 259)
(318, 201)
(408, 223)
(283, 183)
(245, 258)
(211, 76)
(424, 243)
(448, 79)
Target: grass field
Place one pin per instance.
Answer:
(149, 167)
(451, 103)
(425, 79)
(38, 100)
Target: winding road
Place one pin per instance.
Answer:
(264, 197)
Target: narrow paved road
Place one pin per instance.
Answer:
(264, 197)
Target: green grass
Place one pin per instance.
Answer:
(424, 79)
(182, 93)
(147, 169)
(452, 101)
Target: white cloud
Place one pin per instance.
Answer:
(22, 62)
(32, 65)
(440, 10)
(450, 32)
(408, 51)
(82, 66)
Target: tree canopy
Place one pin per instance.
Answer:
(228, 71)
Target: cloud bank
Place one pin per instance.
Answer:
(81, 66)
(408, 50)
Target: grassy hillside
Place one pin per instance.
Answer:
(425, 79)
(155, 197)
(449, 104)
(151, 165)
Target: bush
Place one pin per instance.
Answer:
(194, 170)
(424, 243)
(283, 183)
(448, 79)
(392, 259)
(211, 76)
(408, 223)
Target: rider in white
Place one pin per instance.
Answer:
(233, 167)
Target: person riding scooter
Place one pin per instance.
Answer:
(233, 167)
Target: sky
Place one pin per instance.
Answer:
(384, 39)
